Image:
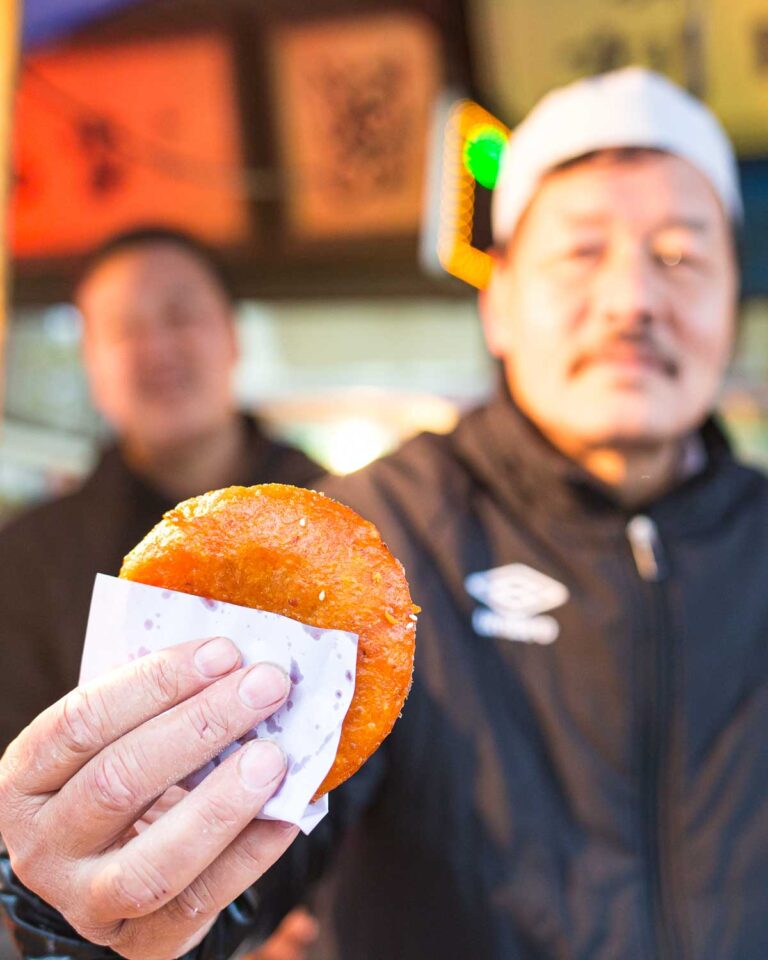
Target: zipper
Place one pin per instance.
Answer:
(643, 536)
(656, 677)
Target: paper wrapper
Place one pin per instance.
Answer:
(128, 620)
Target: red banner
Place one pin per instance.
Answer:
(112, 136)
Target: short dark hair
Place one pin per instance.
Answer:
(149, 235)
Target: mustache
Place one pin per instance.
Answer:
(641, 346)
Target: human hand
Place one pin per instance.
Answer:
(78, 787)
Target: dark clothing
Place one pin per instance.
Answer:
(599, 796)
(50, 556)
(581, 771)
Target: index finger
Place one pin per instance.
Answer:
(68, 734)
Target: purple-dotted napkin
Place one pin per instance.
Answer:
(128, 620)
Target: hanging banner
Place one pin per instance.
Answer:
(529, 47)
(737, 70)
(111, 136)
(717, 49)
(354, 99)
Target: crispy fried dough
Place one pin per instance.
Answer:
(300, 554)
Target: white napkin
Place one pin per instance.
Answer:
(128, 620)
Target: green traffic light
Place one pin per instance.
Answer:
(482, 154)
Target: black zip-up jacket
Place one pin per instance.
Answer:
(581, 769)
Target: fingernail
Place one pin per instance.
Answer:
(264, 685)
(261, 763)
(216, 657)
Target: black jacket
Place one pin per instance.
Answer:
(580, 772)
(50, 555)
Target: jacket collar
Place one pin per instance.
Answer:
(524, 472)
(113, 470)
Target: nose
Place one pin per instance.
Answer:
(154, 340)
(626, 291)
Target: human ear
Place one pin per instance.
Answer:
(494, 317)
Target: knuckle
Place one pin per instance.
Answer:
(52, 880)
(10, 763)
(113, 781)
(159, 681)
(79, 726)
(14, 804)
(250, 857)
(209, 721)
(253, 856)
(24, 859)
(7, 791)
(220, 815)
(196, 904)
(129, 888)
(104, 935)
(129, 943)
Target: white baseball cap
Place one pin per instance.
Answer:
(632, 107)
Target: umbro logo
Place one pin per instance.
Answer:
(516, 599)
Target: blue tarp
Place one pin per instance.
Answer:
(46, 20)
(754, 183)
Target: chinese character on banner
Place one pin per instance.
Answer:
(114, 135)
(529, 48)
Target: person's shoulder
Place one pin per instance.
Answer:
(53, 519)
(275, 461)
(38, 524)
(291, 465)
(418, 478)
(748, 483)
(36, 544)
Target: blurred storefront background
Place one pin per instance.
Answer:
(346, 380)
(296, 136)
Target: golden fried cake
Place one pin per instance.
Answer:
(298, 553)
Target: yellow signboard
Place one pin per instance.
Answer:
(736, 45)
(529, 47)
(717, 49)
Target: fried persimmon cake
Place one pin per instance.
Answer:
(301, 554)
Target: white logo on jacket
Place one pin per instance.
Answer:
(517, 596)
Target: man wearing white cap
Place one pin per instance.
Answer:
(581, 768)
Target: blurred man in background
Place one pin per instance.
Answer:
(159, 348)
(581, 769)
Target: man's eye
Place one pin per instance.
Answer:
(675, 258)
